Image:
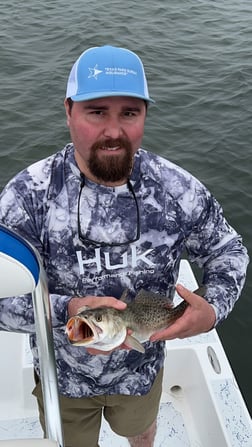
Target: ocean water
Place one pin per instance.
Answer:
(197, 56)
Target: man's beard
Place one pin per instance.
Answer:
(111, 168)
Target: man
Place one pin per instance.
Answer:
(107, 215)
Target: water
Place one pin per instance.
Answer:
(197, 56)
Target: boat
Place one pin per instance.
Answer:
(201, 403)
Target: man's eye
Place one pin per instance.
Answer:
(130, 113)
(97, 112)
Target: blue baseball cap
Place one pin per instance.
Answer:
(107, 71)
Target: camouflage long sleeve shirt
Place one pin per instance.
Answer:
(176, 214)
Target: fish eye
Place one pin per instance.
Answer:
(98, 318)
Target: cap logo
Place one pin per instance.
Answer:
(119, 71)
(116, 71)
(93, 72)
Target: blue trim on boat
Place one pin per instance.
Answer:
(18, 248)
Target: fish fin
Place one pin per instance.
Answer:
(142, 295)
(145, 297)
(133, 343)
(124, 296)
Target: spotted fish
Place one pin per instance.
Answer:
(106, 328)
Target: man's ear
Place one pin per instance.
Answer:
(68, 109)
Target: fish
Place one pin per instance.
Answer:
(106, 328)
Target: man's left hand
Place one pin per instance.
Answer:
(198, 317)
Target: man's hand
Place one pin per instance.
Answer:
(94, 301)
(198, 317)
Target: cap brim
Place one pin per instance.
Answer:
(97, 95)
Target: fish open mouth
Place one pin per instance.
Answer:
(79, 331)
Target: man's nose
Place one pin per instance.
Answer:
(113, 128)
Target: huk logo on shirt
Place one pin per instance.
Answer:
(103, 258)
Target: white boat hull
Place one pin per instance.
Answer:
(201, 404)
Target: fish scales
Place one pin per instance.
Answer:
(152, 314)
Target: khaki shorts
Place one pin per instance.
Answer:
(127, 415)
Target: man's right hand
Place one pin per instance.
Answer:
(94, 301)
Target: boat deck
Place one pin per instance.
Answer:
(201, 404)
